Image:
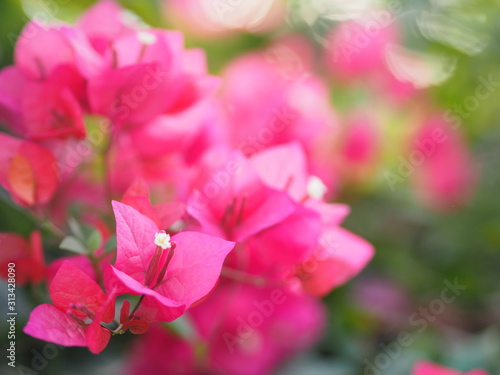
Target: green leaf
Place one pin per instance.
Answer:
(75, 228)
(94, 240)
(110, 244)
(73, 244)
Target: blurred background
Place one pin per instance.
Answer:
(391, 69)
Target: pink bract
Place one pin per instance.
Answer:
(192, 272)
(75, 318)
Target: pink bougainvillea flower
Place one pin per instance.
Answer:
(152, 75)
(258, 328)
(138, 322)
(269, 244)
(352, 52)
(82, 262)
(340, 256)
(163, 215)
(250, 332)
(135, 93)
(34, 53)
(335, 255)
(428, 368)
(273, 105)
(148, 355)
(238, 206)
(150, 46)
(12, 83)
(284, 168)
(273, 251)
(360, 149)
(75, 318)
(444, 175)
(171, 274)
(104, 22)
(51, 109)
(27, 255)
(27, 170)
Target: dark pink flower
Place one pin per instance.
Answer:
(324, 255)
(75, 318)
(147, 355)
(248, 331)
(238, 206)
(28, 171)
(171, 274)
(104, 22)
(12, 83)
(52, 108)
(34, 54)
(26, 254)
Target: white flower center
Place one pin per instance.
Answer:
(162, 239)
(146, 37)
(316, 189)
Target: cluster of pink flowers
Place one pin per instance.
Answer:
(221, 212)
(220, 189)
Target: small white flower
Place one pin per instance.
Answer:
(316, 189)
(162, 239)
(146, 37)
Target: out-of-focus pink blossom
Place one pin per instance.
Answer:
(163, 215)
(360, 149)
(387, 301)
(428, 368)
(51, 108)
(354, 50)
(148, 355)
(445, 174)
(358, 50)
(258, 329)
(28, 171)
(249, 330)
(26, 254)
(266, 105)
